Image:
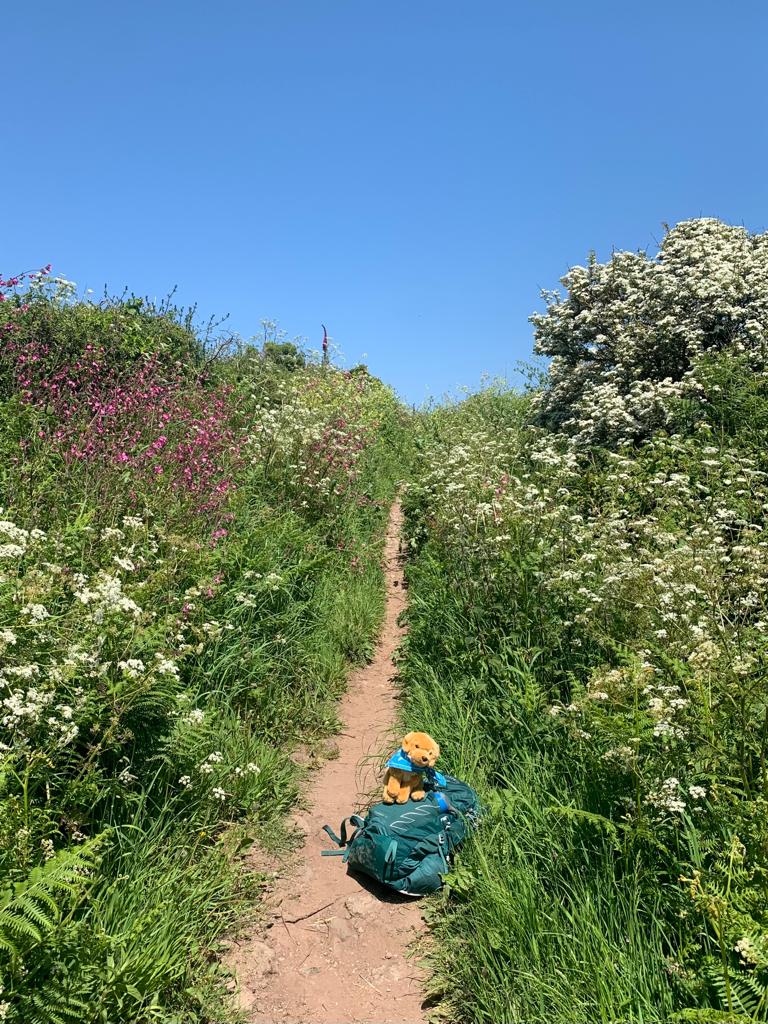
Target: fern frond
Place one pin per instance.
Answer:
(54, 1005)
(30, 908)
(748, 994)
(577, 814)
(13, 925)
(708, 1016)
(744, 993)
(37, 906)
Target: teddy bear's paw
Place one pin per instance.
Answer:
(418, 796)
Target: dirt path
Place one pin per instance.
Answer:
(333, 951)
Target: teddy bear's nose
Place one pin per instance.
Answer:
(424, 758)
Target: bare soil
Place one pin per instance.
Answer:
(334, 949)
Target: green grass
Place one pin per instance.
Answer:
(539, 922)
(586, 642)
(259, 603)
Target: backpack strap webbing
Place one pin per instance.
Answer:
(389, 859)
(356, 820)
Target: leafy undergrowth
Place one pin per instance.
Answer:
(189, 561)
(588, 627)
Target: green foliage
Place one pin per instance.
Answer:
(63, 333)
(34, 906)
(284, 354)
(587, 642)
(167, 639)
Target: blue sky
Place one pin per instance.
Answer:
(409, 173)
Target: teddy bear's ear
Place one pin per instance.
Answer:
(437, 749)
(408, 741)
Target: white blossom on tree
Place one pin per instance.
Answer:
(625, 340)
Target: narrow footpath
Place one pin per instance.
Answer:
(334, 950)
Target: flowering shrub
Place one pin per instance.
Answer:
(594, 621)
(45, 326)
(626, 340)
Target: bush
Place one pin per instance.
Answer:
(626, 340)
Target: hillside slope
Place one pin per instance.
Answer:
(190, 562)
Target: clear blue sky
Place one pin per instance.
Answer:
(409, 173)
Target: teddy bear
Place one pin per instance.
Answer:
(407, 768)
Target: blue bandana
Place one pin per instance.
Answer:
(401, 760)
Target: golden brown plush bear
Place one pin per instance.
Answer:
(407, 768)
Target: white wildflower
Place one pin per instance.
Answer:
(746, 950)
(621, 755)
(105, 595)
(165, 667)
(23, 671)
(667, 796)
(36, 612)
(133, 667)
(13, 532)
(67, 735)
(11, 551)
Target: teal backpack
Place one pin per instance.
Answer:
(410, 846)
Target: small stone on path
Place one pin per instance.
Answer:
(339, 929)
(361, 904)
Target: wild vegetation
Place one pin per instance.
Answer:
(188, 562)
(588, 629)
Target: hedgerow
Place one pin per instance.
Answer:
(188, 563)
(588, 627)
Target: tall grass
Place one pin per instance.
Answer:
(190, 562)
(586, 640)
(542, 920)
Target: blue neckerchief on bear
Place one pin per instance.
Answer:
(401, 760)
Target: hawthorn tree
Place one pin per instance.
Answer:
(626, 339)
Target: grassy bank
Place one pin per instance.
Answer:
(588, 642)
(189, 564)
